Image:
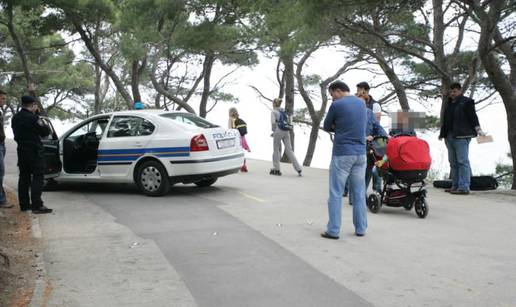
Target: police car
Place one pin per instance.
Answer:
(152, 148)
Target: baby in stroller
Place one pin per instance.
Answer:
(403, 163)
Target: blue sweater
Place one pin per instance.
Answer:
(347, 117)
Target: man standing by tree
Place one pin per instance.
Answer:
(460, 124)
(28, 129)
(347, 117)
(363, 91)
(3, 200)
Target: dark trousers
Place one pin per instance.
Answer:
(31, 167)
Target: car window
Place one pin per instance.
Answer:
(124, 126)
(190, 119)
(98, 126)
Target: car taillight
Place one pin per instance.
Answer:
(199, 143)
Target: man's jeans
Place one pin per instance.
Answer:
(342, 167)
(2, 173)
(458, 155)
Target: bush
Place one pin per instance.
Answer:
(501, 169)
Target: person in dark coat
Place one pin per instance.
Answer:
(460, 124)
(28, 130)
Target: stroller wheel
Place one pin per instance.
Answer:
(421, 207)
(373, 203)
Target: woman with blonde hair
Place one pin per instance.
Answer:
(280, 124)
(235, 122)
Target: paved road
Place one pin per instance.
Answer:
(253, 240)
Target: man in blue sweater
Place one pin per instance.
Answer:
(347, 117)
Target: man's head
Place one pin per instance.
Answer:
(338, 89)
(455, 90)
(3, 98)
(363, 89)
(29, 103)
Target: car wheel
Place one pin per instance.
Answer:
(206, 182)
(152, 179)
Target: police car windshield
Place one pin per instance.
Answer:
(190, 119)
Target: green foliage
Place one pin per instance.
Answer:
(312, 80)
(432, 122)
(501, 169)
(52, 63)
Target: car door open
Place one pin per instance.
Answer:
(53, 163)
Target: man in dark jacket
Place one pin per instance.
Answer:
(460, 124)
(28, 129)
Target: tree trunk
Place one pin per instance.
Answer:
(23, 58)
(511, 135)
(399, 88)
(98, 59)
(504, 83)
(98, 83)
(314, 134)
(209, 59)
(135, 81)
(288, 62)
(280, 77)
(161, 90)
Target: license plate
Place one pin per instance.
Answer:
(221, 144)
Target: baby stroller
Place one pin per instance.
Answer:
(403, 174)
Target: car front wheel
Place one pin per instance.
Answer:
(152, 179)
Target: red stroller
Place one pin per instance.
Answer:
(403, 175)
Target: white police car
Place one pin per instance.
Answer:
(152, 148)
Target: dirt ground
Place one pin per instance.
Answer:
(18, 256)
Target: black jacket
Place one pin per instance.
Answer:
(460, 118)
(28, 130)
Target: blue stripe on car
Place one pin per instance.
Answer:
(133, 154)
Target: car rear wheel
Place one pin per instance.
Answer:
(152, 179)
(206, 182)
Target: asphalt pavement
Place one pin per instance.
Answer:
(253, 240)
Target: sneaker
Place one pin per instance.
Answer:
(41, 210)
(5, 205)
(275, 172)
(449, 190)
(459, 192)
(328, 236)
(299, 174)
(243, 169)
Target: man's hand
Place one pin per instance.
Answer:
(370, 138)
(479, 131)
